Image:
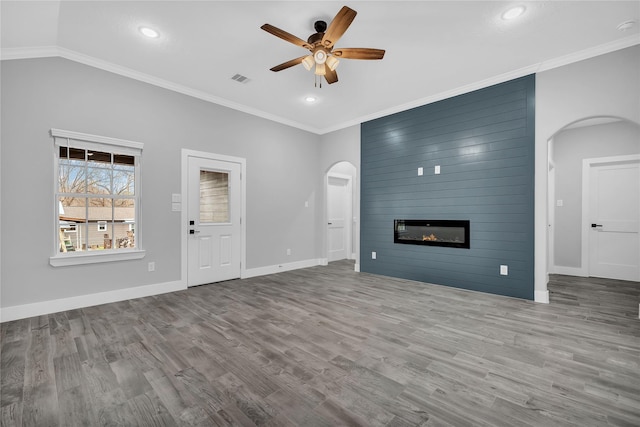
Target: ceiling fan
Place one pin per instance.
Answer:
(324, 56)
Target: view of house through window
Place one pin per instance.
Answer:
(96, 200)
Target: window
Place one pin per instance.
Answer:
(97, 198)
(214, 197)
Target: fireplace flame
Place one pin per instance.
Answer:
(429, 238)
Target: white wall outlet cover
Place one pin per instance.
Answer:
(176, 207)
(176, 198)
(373, 255)
(504, 270)
(420, 171)
(437, 170)
(559, 202)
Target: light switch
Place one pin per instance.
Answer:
(176, 197)
(437, 170)
(176, 207)
(559, 203)
(420, 171)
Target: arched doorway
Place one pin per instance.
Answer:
(340, 227)
(575, 153)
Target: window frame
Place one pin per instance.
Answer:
(64, 138)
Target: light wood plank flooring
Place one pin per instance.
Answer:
(327, 346)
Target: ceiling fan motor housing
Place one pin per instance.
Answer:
(320, 26)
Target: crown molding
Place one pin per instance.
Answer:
(591, 52)
(54, 51)
(531, 69)
(9, 53)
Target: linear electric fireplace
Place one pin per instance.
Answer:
(449, 233)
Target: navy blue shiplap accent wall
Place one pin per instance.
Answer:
(483, 142)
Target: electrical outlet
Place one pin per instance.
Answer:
(373, 255)
(504, 270)
(420, 171)
(152, 266)
(437, 170)
(288, 251)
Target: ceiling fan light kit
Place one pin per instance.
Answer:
(323, 59)
(308, 62)
(332, 63)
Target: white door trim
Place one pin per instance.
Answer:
(348, 222)
(587, 164)
(551, 217)
(184, 227)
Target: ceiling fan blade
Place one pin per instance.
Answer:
(288, 64)
(330, 75)
(338, 26)
(358, 53)
(286, 36)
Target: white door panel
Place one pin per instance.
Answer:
(338, 215)
(214, 209)
(614, 211)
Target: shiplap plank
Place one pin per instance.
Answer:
(483, 142)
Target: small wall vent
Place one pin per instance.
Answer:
(240, 78)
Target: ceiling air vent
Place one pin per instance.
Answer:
(240, 78)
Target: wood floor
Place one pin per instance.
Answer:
(328, 346)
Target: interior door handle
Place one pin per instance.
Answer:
(330, 223)
(596, 225)
(194, 231)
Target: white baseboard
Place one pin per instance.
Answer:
(357, 268)
(53, 306)
(279, 268)
(568, 271)
(541, 297)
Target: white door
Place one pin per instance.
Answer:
(213, 211)
(338, 217)
(614, 213)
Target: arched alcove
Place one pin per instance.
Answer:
(572, 151)
(341, 228)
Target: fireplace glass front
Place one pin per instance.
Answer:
(448, 233)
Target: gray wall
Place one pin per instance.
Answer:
(570, 147)
(342, 146)
(606, 85)
(484, 143)
(283, 171)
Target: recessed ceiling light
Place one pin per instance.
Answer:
(513, 13)
(149, 32)
(310, 99)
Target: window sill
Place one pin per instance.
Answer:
(82, 258)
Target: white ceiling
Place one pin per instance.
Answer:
(434, 49)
